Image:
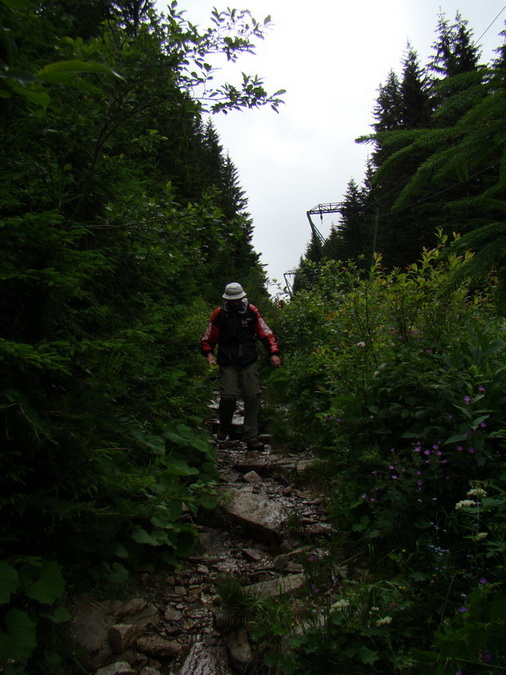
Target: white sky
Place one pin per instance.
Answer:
(330, 56)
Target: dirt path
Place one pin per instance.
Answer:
(267, 516)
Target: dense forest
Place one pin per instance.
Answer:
(121, 221)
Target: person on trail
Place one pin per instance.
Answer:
(235, 327)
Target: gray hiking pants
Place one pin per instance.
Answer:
(242, 383)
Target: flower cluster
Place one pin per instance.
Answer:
(416, 470)
(465, 503)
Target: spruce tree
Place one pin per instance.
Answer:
(455, 52)
(351, 239)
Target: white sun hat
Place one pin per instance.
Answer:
(234, 291)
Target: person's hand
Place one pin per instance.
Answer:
(275, 361)
(210, 359)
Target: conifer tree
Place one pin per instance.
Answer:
(351, 239)
(387, 111)
(455, 52)
(415, 106)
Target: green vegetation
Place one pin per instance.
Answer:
(398, 381)
(120, 217)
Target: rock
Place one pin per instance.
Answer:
(172, 614)
(122, 635)
(320, 529)
(205, 660)
(120, 668)
(92, 621)
(275, 587)
(252, 477)
(158, 647)
(149, 671)
(239, 647)
(256, 513)
(304, 464)
(222, 619)
(253, 554)
(281, 561)
(213, 543)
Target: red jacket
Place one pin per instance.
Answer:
(236, 333)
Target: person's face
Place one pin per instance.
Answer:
(235, 304)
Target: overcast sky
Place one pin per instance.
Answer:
(330, 56)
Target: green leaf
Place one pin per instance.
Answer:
(168, 514)
(57, 72)
(142, 537)
(476, 422)
(35, 95)
(43, 581)
(9, 581)
(57, 615)
(152, 441)
(178, 467)
(186, 541)
(180, 434)
(18, 4)
(155, 538)
(16, 75)
(367, 655)
(121, 551)
(208, 501)
(456, 439)
(118, 574)
(18, 641)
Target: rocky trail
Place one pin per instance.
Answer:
(267, 518)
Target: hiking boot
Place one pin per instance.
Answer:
(255, 444)
(222, 434)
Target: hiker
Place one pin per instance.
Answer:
(235, 327)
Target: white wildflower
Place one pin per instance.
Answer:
(360, 344)
(465, 503)
(384, 621)
(477, 492)
(340, 604)
(480, 535)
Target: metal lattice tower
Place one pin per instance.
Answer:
(321, 209)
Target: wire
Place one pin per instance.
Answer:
(440, 192)
(475, 44)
